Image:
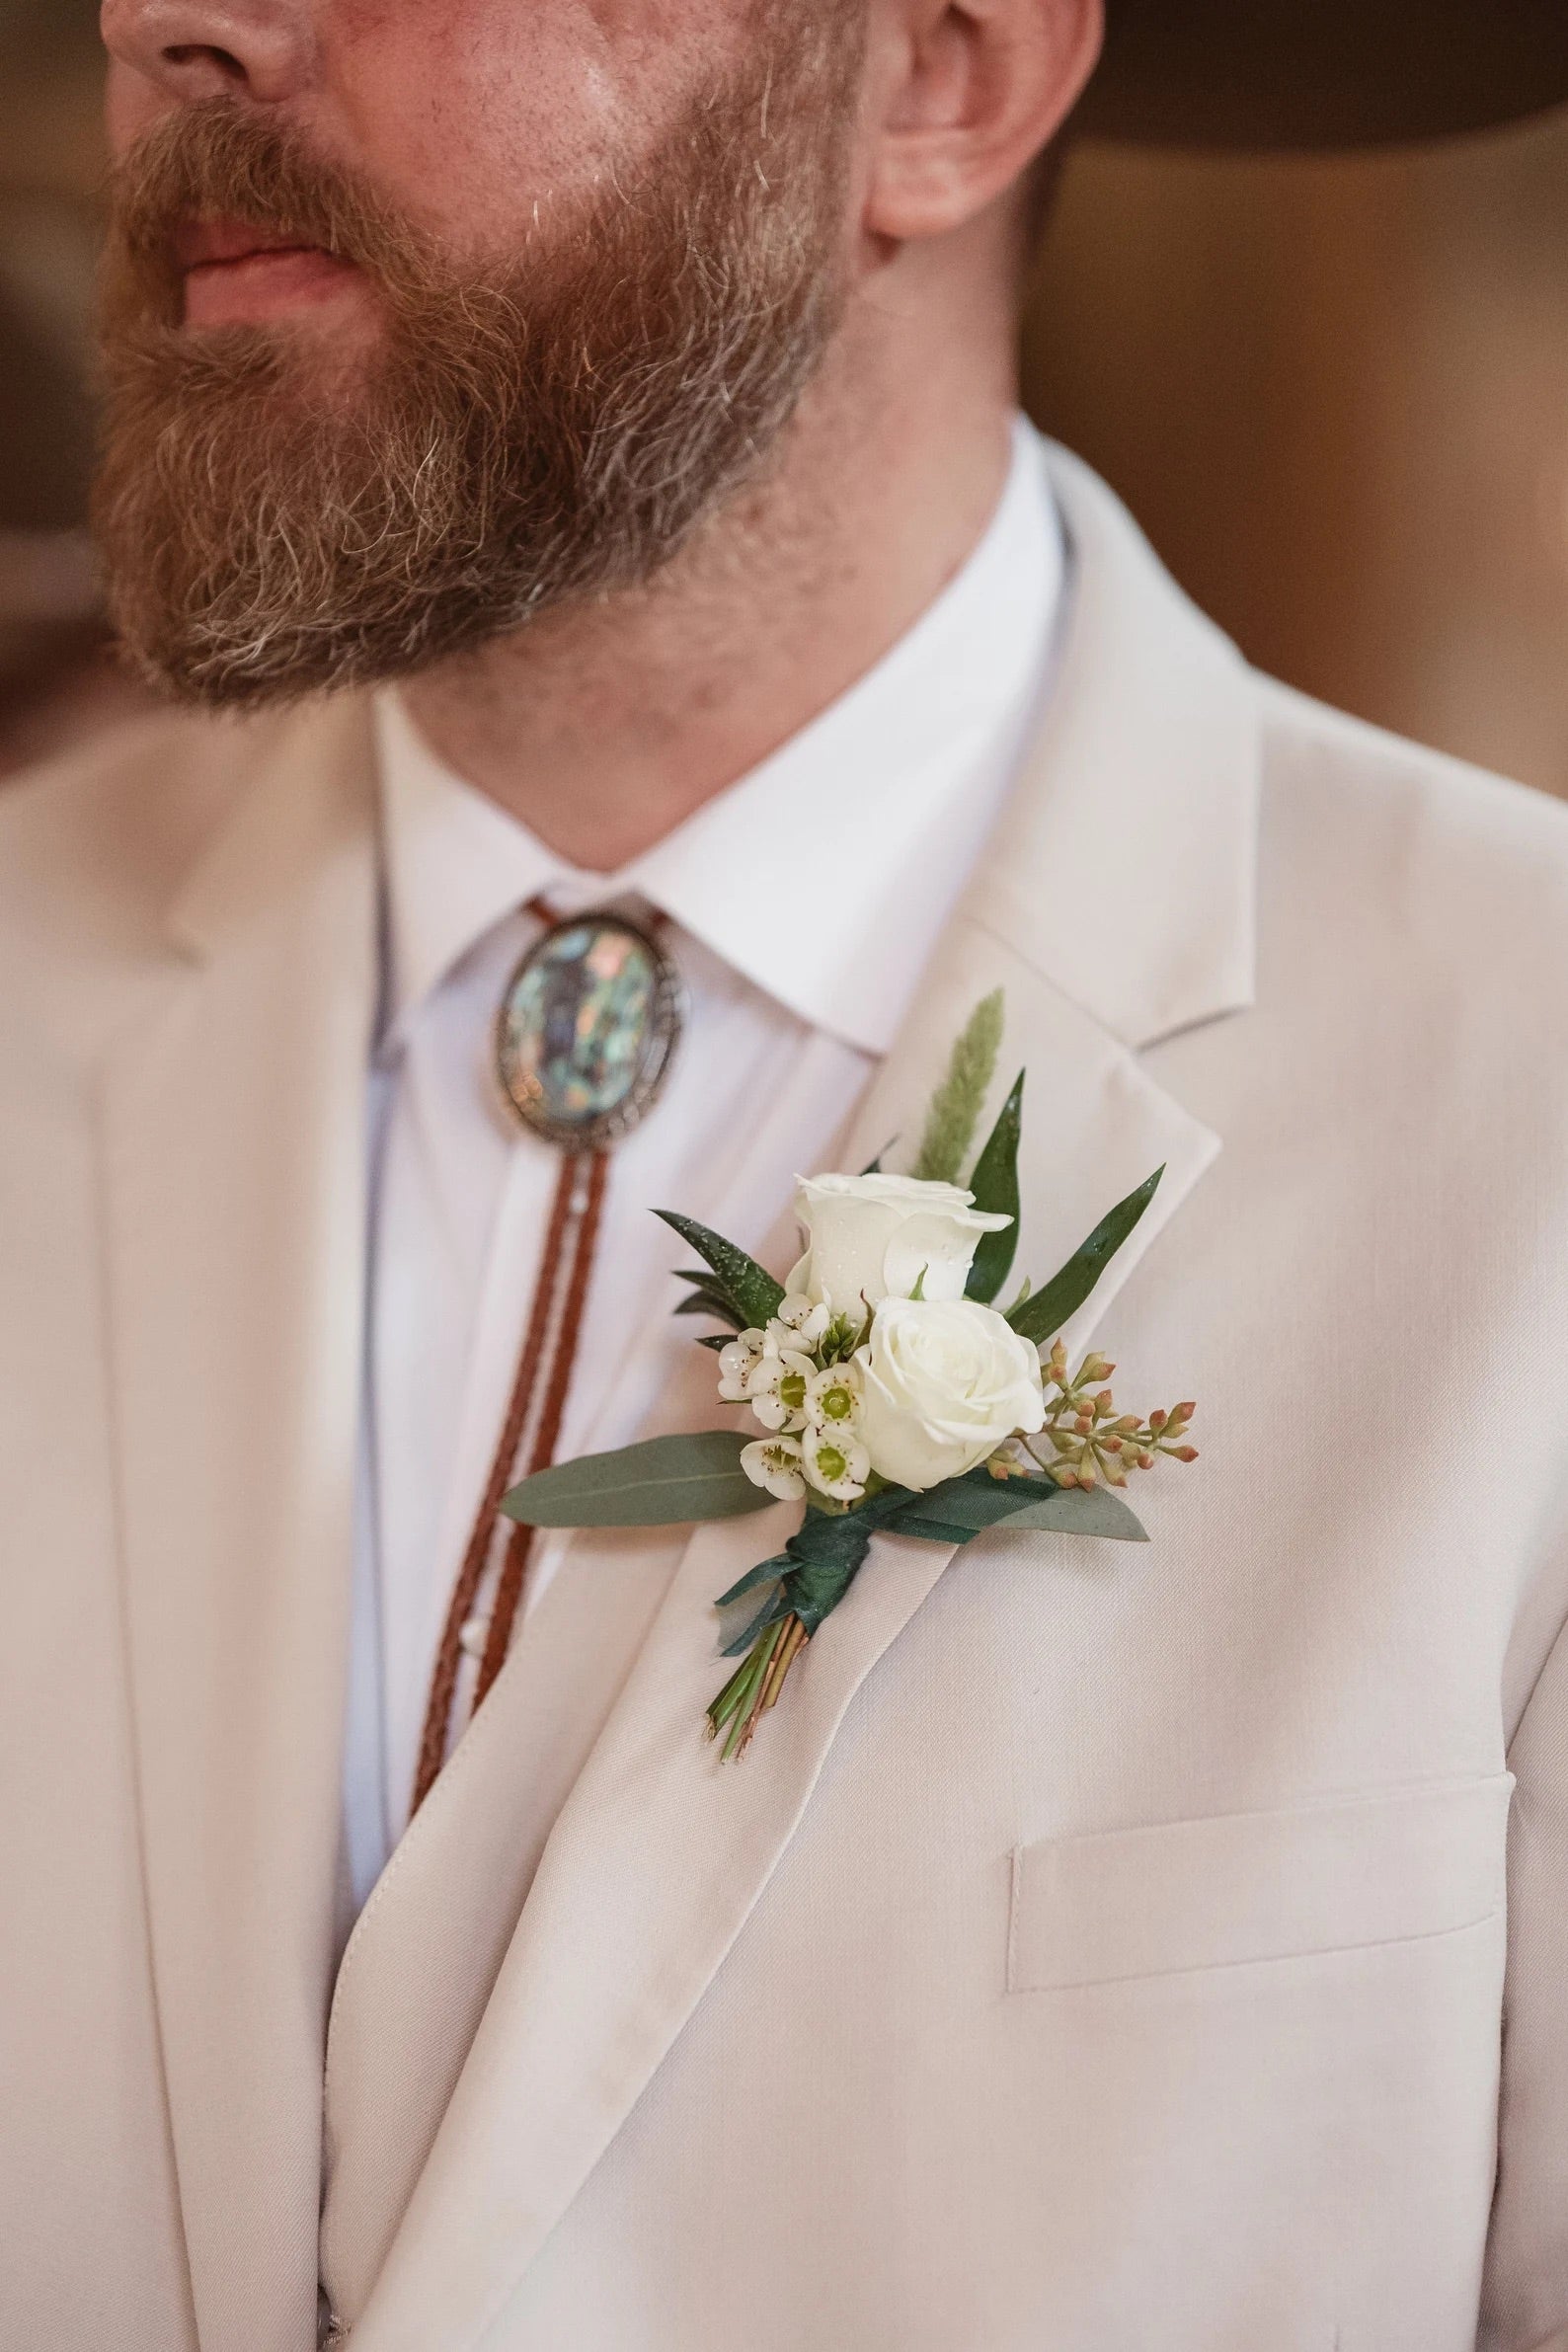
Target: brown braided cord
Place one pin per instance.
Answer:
(448, 1658)
(512, 1582)
(519, 1548)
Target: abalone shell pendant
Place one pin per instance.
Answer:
(588, 1030)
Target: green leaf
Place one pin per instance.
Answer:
(1077, 1511)
(712, 1304)
(1042, 1317)
(963, 1507)
(974, 1501)
(958, 1102)
(994, 1185)
(750, 1290)
(701, 1278)
(662, 1483)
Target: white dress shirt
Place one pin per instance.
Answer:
(802, 904)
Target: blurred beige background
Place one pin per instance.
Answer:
(1336, 394)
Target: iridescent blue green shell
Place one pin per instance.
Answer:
(588, 1027)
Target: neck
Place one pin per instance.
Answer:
(602, 729)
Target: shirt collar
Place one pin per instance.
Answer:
(865, 822)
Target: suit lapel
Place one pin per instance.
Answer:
(661, 1853)
(233, 1154)
(1095, 1124)
(1114, 905)
(650, 1874)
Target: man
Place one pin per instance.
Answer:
(614, 406)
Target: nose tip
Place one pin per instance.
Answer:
(191, 49)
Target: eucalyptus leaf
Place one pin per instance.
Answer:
(663, 1482)
(994, 1185)
(1084, 1510)
(963, 1507)
(1041, 1317)
(973, 1502)
(750, 1288)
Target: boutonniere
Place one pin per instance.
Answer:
(892, 1393)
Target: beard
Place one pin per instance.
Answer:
(519, 438)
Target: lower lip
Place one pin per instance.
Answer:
(263, 286)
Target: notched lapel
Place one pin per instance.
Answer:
(1134, 822)
(654, 1867)
(661, 1853)
(233, 1167)
(1095, 1124)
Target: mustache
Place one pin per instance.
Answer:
(214, 161)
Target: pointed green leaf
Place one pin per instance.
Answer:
(1042, 1317)
(752, 1292)
(994, 1185)
(701, 1278)
(663, 1482)
(712, 1303)
(963, 1507)
(958, 1102)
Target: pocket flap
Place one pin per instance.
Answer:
(1241, 1887)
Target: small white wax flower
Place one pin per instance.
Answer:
(876, 1237)
(775, 1464)
(832, 1397)
(837, 1463)
(808, 1319)
(738, 1361)
(944, 1384)
(777, 1384)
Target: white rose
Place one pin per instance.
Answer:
(874, 1238)
(944, 1383)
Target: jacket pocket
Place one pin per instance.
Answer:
(1240, 1888)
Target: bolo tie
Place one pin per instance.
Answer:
(585, 1036)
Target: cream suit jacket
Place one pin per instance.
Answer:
(1104, 1948)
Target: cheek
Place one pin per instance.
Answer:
(131, 106)
(477, 114)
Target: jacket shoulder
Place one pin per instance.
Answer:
(98, 849)
(96, 845)
(1370, 779)
(1453, 867)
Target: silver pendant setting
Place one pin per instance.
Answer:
(587, 1029)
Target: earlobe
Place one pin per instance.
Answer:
(981, 87)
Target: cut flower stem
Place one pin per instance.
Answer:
(755, 1686)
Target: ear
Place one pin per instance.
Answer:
(964, 95)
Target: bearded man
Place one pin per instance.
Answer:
(563, 466)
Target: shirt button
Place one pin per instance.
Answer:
(473, 1637)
